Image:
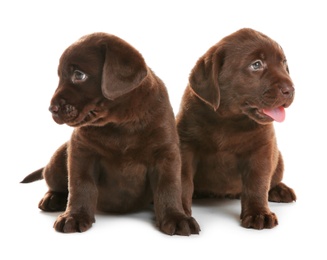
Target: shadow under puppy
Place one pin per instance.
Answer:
(124, 151)
(236, 90)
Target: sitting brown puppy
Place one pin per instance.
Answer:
(236, 90)
(124, 151)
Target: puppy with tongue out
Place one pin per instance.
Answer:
(236, 90)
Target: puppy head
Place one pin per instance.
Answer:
(246, 73)
(94, 73)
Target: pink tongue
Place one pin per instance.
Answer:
(278, 114)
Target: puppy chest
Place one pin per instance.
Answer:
(121, 173)
(122, 186)
(218, 174)
(233, 140)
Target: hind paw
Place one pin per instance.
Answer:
(281, 193)
(53, 201)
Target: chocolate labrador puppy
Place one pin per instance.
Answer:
(124, 152)
(236, 90)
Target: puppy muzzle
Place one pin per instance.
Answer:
(62, 112)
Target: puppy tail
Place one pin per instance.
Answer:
(34, 176)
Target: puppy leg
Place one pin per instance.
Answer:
(255, 211)
(187, 181)
(55, 175)
(254, 199)
(82, 200)
(279, 192)
(166, 184)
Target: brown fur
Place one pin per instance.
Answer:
(228, 144)
(124, 150)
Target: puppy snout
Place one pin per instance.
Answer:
(55, 106)
(287, 89)
(54, 109)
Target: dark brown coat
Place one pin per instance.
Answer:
(124, 150)
(236, 90)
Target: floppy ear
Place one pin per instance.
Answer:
(204, 76)
(123, 70)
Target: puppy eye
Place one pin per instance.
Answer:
(78, 76)
(257, 65)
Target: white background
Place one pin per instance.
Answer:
(171, 35)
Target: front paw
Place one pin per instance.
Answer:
(281, 193)
(259, 221)
(69, 223)
(179, 224)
